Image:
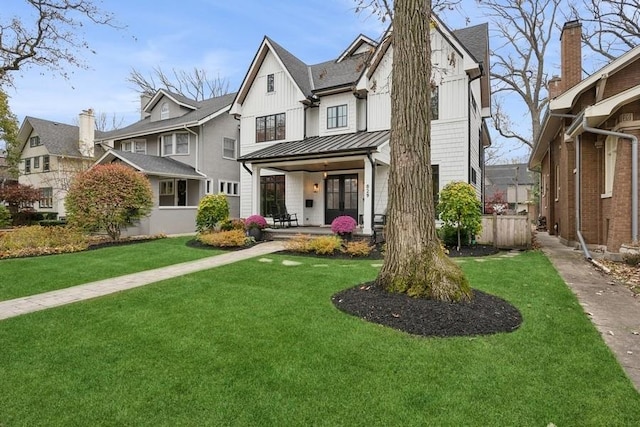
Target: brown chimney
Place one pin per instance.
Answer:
(571, 55)
(554, 87)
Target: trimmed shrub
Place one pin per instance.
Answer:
(449, 236)
(325, 245)
(299, 243)
(343, 224)
(38, 240)
(213, 209)
(357, 248)
(232, 224)
(255, 221)
(225, 239)
(108, 197)
(460, 208)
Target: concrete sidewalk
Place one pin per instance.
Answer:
(612, 307)
(18, 306)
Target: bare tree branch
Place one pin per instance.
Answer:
(48, 34)
(195, 84)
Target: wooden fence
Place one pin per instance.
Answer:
(505, 231)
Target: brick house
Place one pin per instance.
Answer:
(584, 151)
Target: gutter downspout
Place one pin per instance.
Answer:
(585, 250)
(244, 165)
(634, 171)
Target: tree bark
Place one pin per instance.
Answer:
(415, 262)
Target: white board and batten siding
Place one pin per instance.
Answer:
(284, 99)
(329, 101)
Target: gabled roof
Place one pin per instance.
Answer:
(332, 74)
(320, 146)
(203, 112)
(296, 68)
(175, 97)
(505, 175)
(58, 138)
(358, 44)
(152, 165)
(476, 40)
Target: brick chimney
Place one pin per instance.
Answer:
(87, 125)
(571, 55)
(554, 86)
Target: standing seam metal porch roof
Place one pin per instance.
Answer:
(321, 146)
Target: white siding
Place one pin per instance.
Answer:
(449, 150)
(334, 100)
(313, 124)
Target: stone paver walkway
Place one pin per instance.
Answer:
(19, 306)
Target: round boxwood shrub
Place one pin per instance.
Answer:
(212, 210)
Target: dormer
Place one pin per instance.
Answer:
(166, 105)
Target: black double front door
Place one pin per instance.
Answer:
(341, 197)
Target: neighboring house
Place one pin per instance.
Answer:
(514, 182)
(5, 176)
(585, 149)
(187, 149)
(315, 138)
(52, 154)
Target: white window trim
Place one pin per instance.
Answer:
(132, 146)
(164, 111)
(235, 148)
(224, 185)
(169, 187)
(173, 144)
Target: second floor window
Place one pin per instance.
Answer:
(36, 162)
(175, 144)
(270, 83)
(229, 148)
(45, 164)
(337, 116)
(270, 128)
(27, 165)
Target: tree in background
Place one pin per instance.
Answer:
(47, 34)
(195, 84)
(460, 208)
(415, 262)
(9, 134)
(18, 197)
(108, 197)
(213, 209)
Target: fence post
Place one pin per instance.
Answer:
(495, 229)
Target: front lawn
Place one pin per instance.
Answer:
(29, 276)
(260, 343)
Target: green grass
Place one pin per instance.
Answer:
(29, 276)
(257, 343)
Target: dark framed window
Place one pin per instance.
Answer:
(271, 128)
(46, 166)
(435, 103)
(27, 165)
(474, 177)
(46, 197)
(34, 141)
(36, 162)
(271, 194)
(337, 116)
(270, 83)
(435, 181)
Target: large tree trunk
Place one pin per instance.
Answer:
(415, 262)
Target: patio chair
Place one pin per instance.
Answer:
(379, 222)
(277, 217)
(289, 218)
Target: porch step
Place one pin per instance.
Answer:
(291, 232)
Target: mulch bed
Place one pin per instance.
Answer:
(485, 314)
(474, 251)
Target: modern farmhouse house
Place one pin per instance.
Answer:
(315, 138)
(587, 151)
(187, 149)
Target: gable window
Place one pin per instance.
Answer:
(175, 144)
(610, 147)
(139, 147)
(230, 188)
(27, 165)
(435, 102)
(46, 167)
(228, 148)
(164, 111)
(34, 141)
(337, 116)
(46, 197)
(36, 162)
(270, 128)
(270, 83)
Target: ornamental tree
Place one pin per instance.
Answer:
(108, 197)
(18, 196)
(459, 208)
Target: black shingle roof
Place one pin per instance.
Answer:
(155, 165)
(475, 39)
(319, 145)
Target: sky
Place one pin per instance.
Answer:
(220, 36)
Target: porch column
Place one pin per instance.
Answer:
(255, 190)
(367, 226)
